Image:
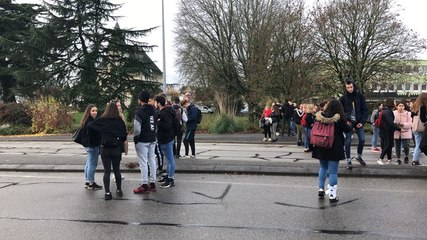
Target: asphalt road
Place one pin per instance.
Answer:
(204, 206)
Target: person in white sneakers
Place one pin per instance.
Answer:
(329, 157)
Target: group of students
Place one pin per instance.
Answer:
(157, 124)
(395, 122)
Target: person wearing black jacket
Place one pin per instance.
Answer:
(329, 157)
(113, 135)
(356, 110)
(387, 129)
(166, 131)
(145, 127)
(91, 145)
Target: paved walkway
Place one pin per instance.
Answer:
(294, 162)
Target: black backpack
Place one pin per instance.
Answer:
(178, 112)
(199, 116)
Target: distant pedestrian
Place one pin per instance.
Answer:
(387, 129)
(181, 115)
(145, 127)
(113, 135)
(419, 109)
(308, 121)
(300, 132)
(375, 129)
(266, 122)
(275, 118)
(356, 110)
(191, 127)
(166, 132)
(329, 157)
(91, 144)
(404, 120)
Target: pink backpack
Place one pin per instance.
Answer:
(322, 135)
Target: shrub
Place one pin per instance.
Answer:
(15, 114)
(224, 124)
(15, 130)
(49, 116)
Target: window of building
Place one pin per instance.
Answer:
(415, 86)
(423, 87)
(407, 86)
(399, 86)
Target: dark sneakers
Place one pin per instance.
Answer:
(142, 189)
(360, 160)
(119, 193)
(321, 194)
(94, 186)
(86, 184)
(152, 187)
(168, 183)
(163, 179)
(416, 163)
(349, 165)
(406, 160)
(108, 196)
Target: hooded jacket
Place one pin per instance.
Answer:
(335, 153)
(145, 124)
(166, 125)
(192, 113)
(360, 107)
(113, 127)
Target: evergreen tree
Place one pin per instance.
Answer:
(96, 61)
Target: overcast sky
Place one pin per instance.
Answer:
(143, 14)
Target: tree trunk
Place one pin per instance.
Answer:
(7, 84)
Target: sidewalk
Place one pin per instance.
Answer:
(228, 166)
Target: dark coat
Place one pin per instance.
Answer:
(360, 107)
(192, 113)
(310, 119)
(335, 153)
(387, 121)
(114, 127)
(89, 140)
(145, 124)
(166, 128)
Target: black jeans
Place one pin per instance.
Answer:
(189, 140)
(386, 143)
(177, 143)
(111, 156)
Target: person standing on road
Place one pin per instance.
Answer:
(419, 109)
(404, 120)
(375, 129)
(329, 157)
(266, 120)
(166, 132)
(91, 144)
(181, 115)
(356, 111)
(145, 128)
(387, 128)
(191, 127)
(113, 135)
(275, 119)
(300, 133)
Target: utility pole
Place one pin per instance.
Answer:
(164, 50)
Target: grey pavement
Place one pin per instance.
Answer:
(216, 153)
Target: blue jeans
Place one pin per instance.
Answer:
(360, 135)
(91, 163)
(375, 133)
(326, 167)
(417, 151)
(145, 155)
(167, 149)
(307, 137)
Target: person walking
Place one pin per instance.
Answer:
(387, 129)
(181, 116)
(329, 157)
(145, 127)
(113, 135)
(166, 132)
(356, 111)
(419, 109)
(191, 127)
(91, 144)
(403, 119)
(375, 129)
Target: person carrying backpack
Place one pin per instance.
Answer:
(329, 157)
(191, 127)
(387, 128)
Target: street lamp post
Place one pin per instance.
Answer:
(164, 50)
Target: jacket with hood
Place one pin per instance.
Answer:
(145, 124)
(335, 153)
(356, 99)
(166, 125)
(192, 113)
(89, 140)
